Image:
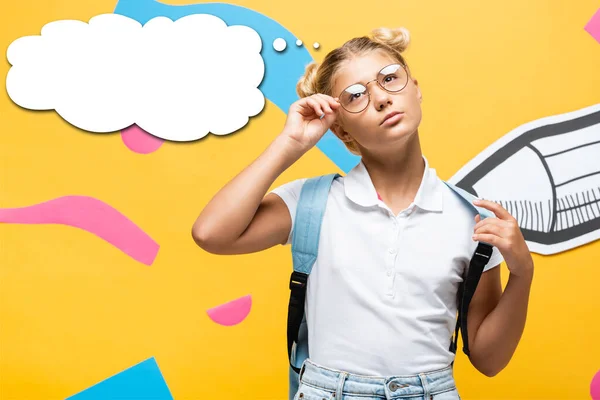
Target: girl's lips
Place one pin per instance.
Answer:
(393, 120)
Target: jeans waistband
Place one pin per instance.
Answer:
(425, 384)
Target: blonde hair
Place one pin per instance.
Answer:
(318, 78)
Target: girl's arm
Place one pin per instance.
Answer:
(496, 319)
(240, 218)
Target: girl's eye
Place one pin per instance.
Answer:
(353, 96)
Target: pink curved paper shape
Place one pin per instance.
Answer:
(231, 313)
(595, 387)
(140, 141)
(91, 215)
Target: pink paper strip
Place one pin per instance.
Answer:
(91, 215)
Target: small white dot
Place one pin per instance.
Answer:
(298, 42)
(316, 45)
(279, 44)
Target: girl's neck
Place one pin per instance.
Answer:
(397, 175)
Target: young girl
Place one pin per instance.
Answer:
(395, 240)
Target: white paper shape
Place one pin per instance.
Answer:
(177, 80)
(279, 44)
(546, 173)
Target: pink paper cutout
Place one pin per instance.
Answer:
(140, 141)
(231, 313)
(595, 387)
(593, 26)
(91, 215)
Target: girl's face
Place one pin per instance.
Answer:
(367, 127)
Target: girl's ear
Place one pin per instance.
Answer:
(337, 129)
(419, 94)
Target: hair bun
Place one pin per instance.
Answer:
(397, 38)
(306, 86)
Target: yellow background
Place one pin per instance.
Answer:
(75, 310)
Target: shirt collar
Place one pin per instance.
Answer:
(359, 188)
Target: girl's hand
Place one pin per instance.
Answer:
(504, 233)
(309, 118)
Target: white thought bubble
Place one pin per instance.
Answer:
(177, 80)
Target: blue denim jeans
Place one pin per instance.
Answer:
(320, 383)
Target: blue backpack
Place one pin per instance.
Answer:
(305, 244)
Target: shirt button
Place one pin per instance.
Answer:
(392, 251)
(389, 273)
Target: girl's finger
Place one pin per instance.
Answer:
(487, 221)
(488, 238)
(493, 229)
(496, 208)
(323, 102)
(330, 101)
(315, 106)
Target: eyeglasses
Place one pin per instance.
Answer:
(392, 78)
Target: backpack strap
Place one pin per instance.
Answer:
(305, 245)
(466, 290)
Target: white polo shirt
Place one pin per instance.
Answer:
(382, 294)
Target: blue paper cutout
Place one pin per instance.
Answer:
(143, 381)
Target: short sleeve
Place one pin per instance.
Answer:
(290, 194)
(495, 259)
